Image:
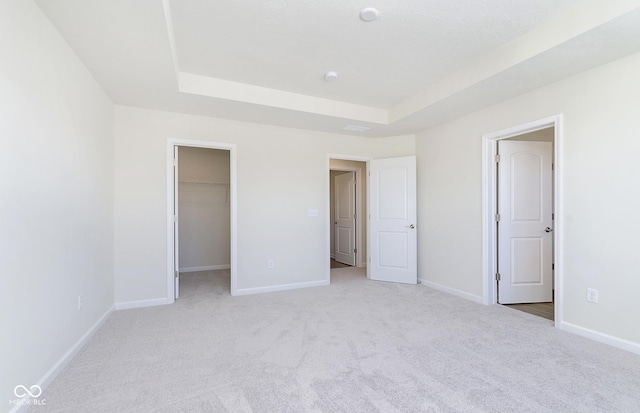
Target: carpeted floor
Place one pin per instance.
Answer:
(354, 346)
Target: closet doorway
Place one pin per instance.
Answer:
(202, 211)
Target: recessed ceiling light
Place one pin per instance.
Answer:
(356, 128)
(368, 14)
(331, 76)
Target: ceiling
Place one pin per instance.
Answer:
(421, 63)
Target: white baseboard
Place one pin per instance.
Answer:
(141, 303)
(601, 337)
(62, 363)
(206, 268)
(283, 287)
(452, 291)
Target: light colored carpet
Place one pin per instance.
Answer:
(354, 346)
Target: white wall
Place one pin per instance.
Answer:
(281, 174)
(600, 192)
(56, 184)
(204, 202)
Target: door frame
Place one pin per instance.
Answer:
(361, 244)
(171, 190)
(489, 208)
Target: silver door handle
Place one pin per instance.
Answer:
(412, 226)
(547, 229)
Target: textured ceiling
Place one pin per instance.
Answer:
(290, 44)
(422, 62)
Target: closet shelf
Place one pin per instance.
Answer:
(203, 183)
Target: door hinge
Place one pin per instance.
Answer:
(355, 216)
(175, 218)
(553, 266)
(497, 276)
(497, 158)
(497, 217)
(355, 250)
(176, 274)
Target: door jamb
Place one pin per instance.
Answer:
(361, 244)
(171, 144)
(489, 192)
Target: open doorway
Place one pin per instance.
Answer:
(201, 226)
(204, 244)
(520, 219)
(347, 213)
(387, 247)
(525, 222)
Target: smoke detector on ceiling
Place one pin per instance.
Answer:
(368, 14)
(331, 76)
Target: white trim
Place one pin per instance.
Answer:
(489, 151)
(360, 244)
(126, 305)
(205, 268)
(601, 337)
(62, 363)
(233, 194)
(283, 287)
(462, 294)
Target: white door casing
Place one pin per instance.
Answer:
(345, 218)
(525, 223)
(176, 226)
(393, 237)
(172, 204)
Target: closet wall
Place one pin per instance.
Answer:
(203, 209)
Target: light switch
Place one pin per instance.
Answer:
(313, 212)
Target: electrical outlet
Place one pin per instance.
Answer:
(592, 295)
(80, 302)
(271, 264)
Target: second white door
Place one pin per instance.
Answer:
(345, 224)
(525, 222)
(392, 223)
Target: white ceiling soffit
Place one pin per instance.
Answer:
(421, 63)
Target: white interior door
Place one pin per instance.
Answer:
(176, 226)
(392, 201)
(345, 223)
(525, 222)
